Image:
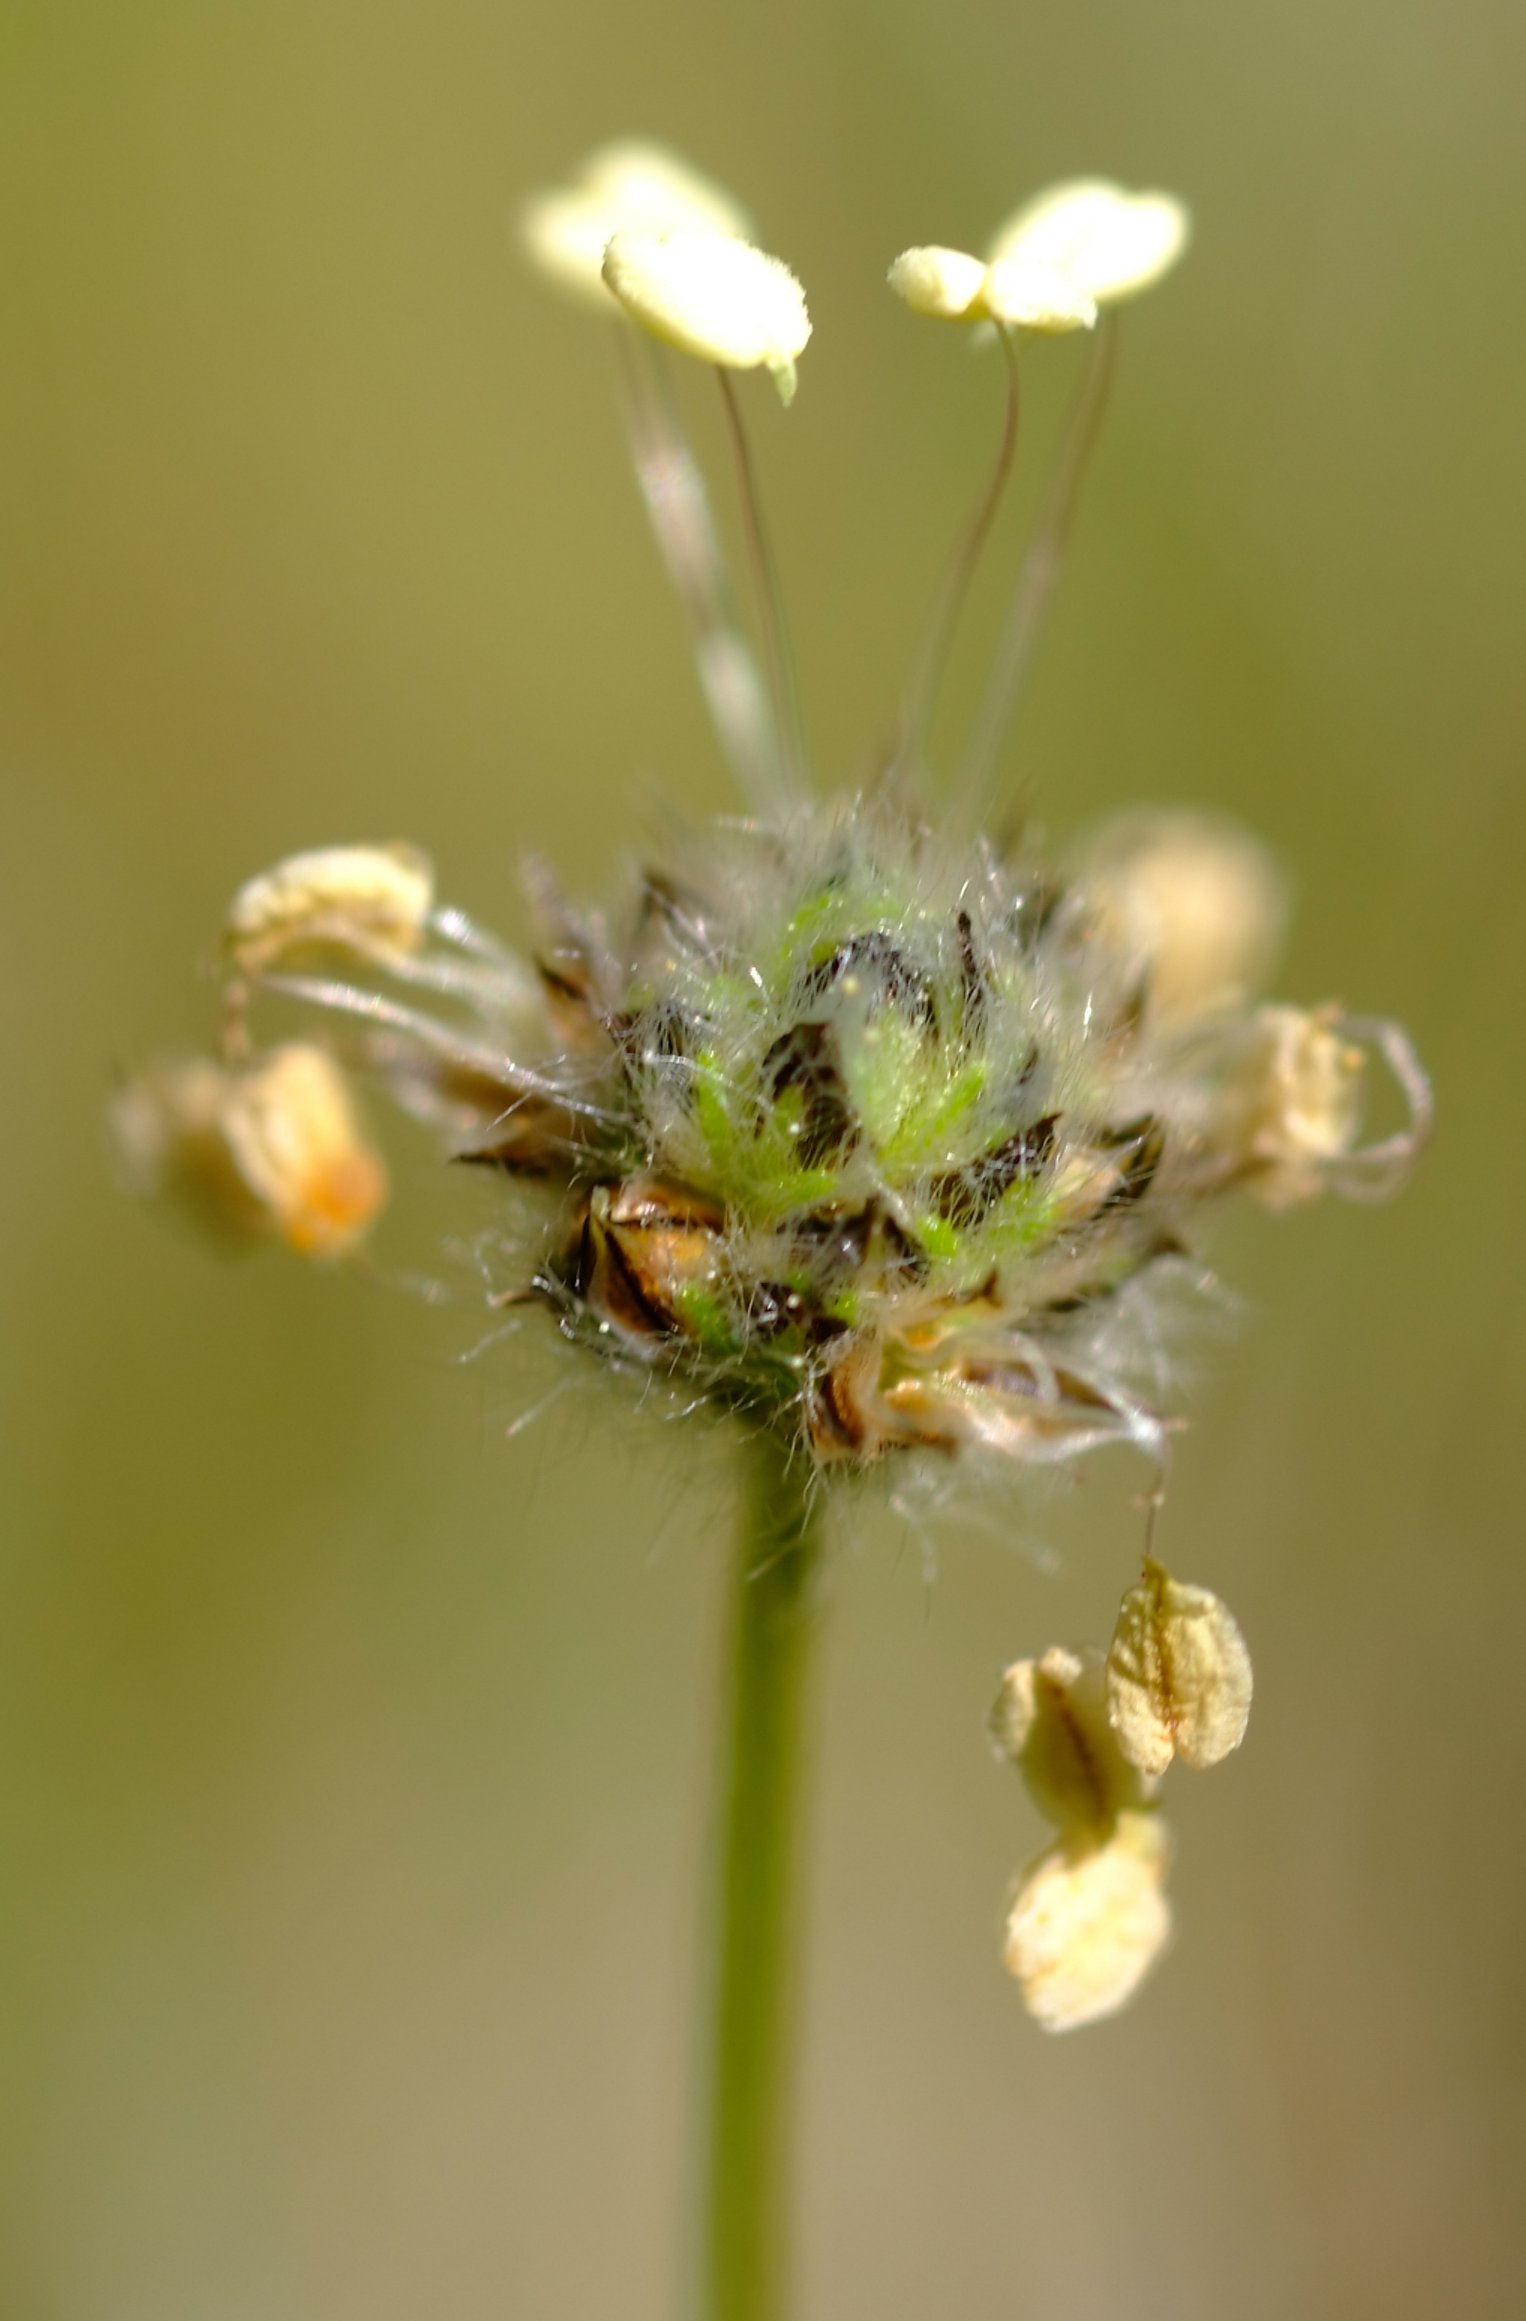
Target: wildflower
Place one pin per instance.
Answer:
(847, 1119)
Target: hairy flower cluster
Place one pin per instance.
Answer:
(878, 1139)
(846, 1119)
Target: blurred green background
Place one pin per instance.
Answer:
(354, 1755)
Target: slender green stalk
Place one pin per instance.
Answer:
(743, 2259)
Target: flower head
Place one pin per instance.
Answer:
(871, 1129)
(847, 1120)
(1088, 1922)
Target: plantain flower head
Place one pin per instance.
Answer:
(848, 1119)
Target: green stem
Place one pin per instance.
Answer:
(746, 2158)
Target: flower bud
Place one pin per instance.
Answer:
(372, 899)
(1088, 1923)
(1178, 1675)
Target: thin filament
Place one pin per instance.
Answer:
(778, 658)
(1039, 574)
(678, 507)
(927, 669)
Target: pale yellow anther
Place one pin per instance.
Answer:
(269, 1149)
(949, 285)
(375, 900)
(1178, 1674)
(1088, 1923)
(1051, 1720)
(293, 1130)
(1302, 1093)
(713, 297)
(1196, 903)
(629, 187)
(1031, 296)
(953, 286)
(1105, 242)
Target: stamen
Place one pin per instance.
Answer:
(927, 669)
(777, 655)
(1374, 1171)
(1037, 579)
(678, 507)
(436, 1039)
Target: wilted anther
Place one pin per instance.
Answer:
(713, 297)
(371, 900)
(1090, 1916)
(847, 1120)
(1196, 900)
(1178, 1675)
(953, 286)
(629, 187)
(1298, 1098)
(1089, 1921)
(268, 1149)
(1051, 1721)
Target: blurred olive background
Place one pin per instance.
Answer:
(354, 1753)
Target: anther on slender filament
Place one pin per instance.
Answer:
(713, 297)
(1106, 242)
(632, 186)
